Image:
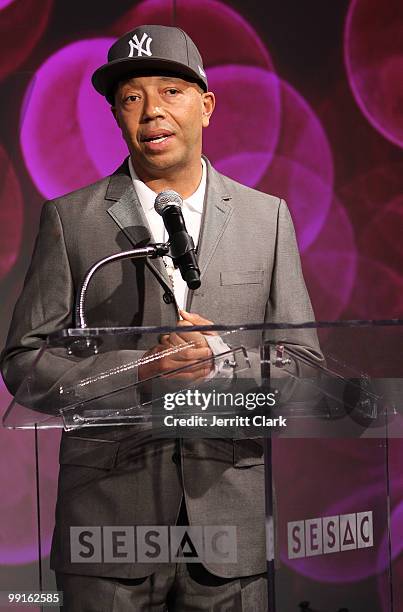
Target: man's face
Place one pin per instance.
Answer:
(161, 119)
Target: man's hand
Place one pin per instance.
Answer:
(196, 338)
(180, 349)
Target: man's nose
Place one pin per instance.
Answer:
(152, 108)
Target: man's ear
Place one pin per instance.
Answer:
(208, 101)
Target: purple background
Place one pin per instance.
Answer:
(310, 98)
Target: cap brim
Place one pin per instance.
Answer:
(108, 75)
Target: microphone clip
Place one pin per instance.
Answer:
(182, 244)
(161, 249)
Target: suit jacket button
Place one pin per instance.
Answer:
(168, 298)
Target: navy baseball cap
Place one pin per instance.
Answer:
(150, 48)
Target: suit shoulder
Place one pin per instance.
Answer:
(253, 196)
(95, 190)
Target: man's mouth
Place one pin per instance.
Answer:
(156, 138)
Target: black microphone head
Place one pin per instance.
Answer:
(165, 199)
(192, 278)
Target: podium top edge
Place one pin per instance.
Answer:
(100, 331)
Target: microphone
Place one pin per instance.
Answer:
(168, 204)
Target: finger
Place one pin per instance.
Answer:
(193, 338)
(179, 339)
(183, 324)
(188, 336)
(175, 339)
(196, 319)
(193, 334)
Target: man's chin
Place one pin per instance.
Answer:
(163, 163)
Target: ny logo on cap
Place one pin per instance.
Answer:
(137, 45)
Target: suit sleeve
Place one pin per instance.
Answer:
(289, 301)
(46, 305)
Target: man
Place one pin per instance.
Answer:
(250, 271)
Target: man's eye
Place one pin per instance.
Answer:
(172, 91)
(131, 98)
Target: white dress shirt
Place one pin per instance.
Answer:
(192, 212)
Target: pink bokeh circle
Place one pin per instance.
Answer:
(244, 128)
(373, 51)
(330, 265)
(103, 140)
(307, 195)
(302, 167)
(5, 3)
(55, 151)
(222, 35)
(303, 138)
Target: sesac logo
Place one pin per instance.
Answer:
(321, 536)
(137, 45)
(154, 544)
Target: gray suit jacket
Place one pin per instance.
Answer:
(250, 272)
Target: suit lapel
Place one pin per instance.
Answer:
(128, 214)
(217, 211)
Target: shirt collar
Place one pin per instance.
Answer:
(147, 195)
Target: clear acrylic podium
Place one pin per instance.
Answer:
(327, 424)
